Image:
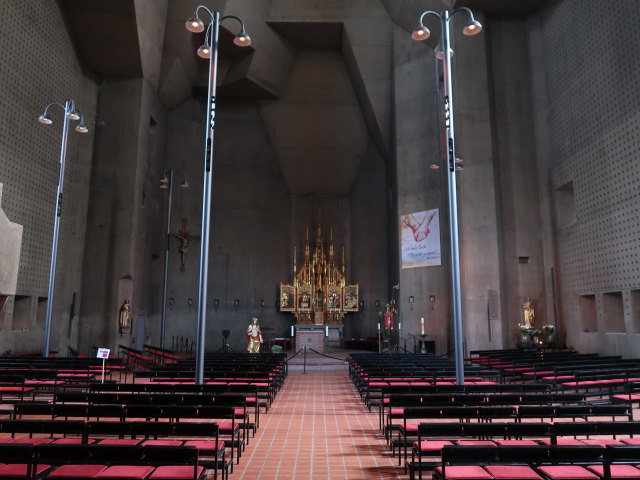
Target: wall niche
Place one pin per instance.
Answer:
(635, 310)
(613, 312)
(588, 313)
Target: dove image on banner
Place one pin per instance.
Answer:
(420, 239)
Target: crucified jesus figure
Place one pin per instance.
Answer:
(184, 237)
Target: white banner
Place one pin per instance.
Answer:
(420, 239)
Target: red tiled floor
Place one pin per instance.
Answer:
(317, 429)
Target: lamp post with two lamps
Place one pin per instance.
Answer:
(209, 50)
(166, 183)
(454, 162)
(70, 113)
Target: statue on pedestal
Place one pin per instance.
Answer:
(528, 312)
(254, 336)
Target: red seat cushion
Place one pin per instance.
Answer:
(126, 472)
(518, 443)
(226, 426)
(20, 470)
(239, 412)
(163, 443)
(563, 441)
(512, 472)
(120, 441)
(631, 441)
(32, 441)
(432, 445)
(634, 396)
(397, 411)
(617, 471)
(168, 472)
(77, 471)
(251, 399)
(602, 441)
(484, 443)
(471, 472)
(72, 441)
(205, 444)
(411, 427)
(567, 472)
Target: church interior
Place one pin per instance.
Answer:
(365, 202)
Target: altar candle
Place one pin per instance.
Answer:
(326, 331)
(422, 326)
(292, 330)
(400, 326)
(378, 326)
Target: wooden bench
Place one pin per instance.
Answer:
(87, 461)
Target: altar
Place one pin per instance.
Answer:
(315, 337)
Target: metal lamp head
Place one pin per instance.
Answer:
(73, 115)
(420, 33)
(459, 166)
(474, 27)
(204, 51)
(81, 127)
(434, 165)
(184, 183)
(440, 53)
(44, 118)
(242, 39)
(194, 25)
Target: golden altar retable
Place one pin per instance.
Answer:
(319, 294)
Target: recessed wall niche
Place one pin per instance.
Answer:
(588, 313)
(566, 205)
(41, 312)
(22, 315)
(613, 312)
(635, 309)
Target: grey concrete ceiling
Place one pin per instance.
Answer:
(321, 86)
(106, 36)
(316, 127)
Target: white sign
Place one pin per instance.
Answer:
(103, 353)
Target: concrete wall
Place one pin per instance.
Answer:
(40, 66)
(540, 107)
(518, 199)
(586, 118)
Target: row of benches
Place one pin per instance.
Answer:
(431, 437)
(106, 462)
(204, 436)
(538, 462)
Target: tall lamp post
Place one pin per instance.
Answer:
(166, 183)
(70, 113)
(209, 50)
(445, 53)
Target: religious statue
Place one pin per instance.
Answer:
(304, 302)
(254, 336)
(528, 313)
(124, 318)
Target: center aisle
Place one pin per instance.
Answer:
(317, 429)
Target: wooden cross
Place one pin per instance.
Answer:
(184, 237)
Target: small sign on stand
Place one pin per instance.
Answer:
(103, 353)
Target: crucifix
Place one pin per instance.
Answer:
(184, 237)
